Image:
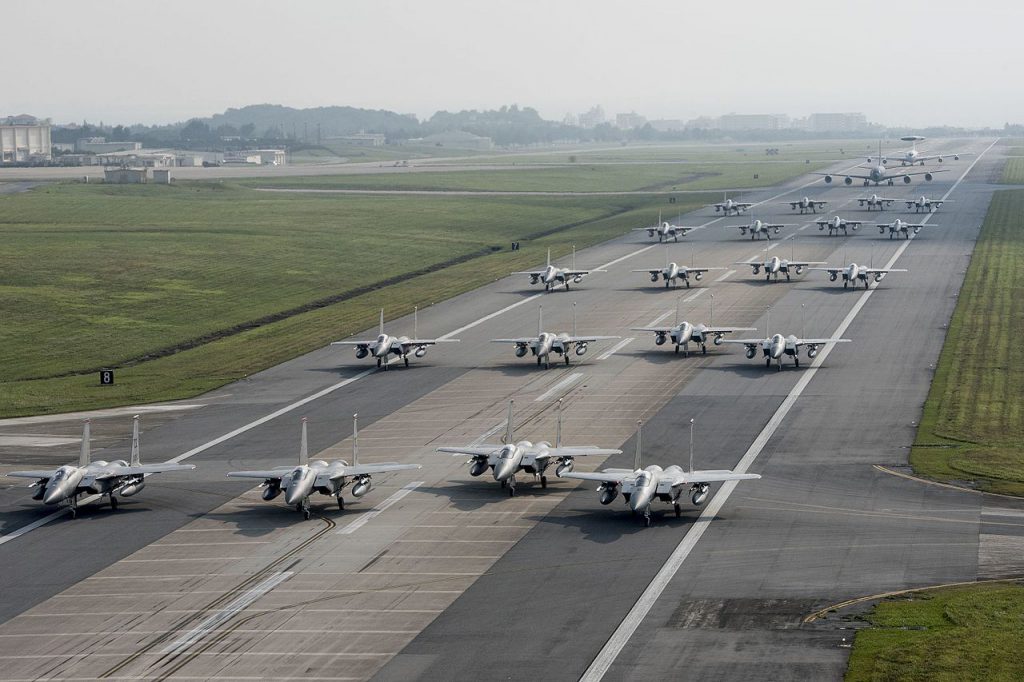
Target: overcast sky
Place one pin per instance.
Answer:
(900, 62)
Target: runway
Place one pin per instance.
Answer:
(429, 574)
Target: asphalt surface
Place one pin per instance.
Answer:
(551, 572)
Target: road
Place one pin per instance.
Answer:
(428, 574)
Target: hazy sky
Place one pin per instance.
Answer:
(900, 62)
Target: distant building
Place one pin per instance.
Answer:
(256, 157)
(458, 139)
(99, 145)
(592, 118)
(828, 123)
(703, 123)
(161, 176)
(24, 139)
(629, 121)
(666, 124)
(737, 122)
(147, 158)
(126, 176)
(362, 139)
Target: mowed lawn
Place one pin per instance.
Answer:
(973, 422)
(1013, 171)
(962, 634)
(568, 178)
(94, 276)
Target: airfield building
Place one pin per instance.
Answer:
(837, 123)
(24, 139)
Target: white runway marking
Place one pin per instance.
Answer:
(659, 318)
(225, 614)
(726, 276)
(564, 383)
(369, 516)
(613, 647)
(694, 296)
(616, 348)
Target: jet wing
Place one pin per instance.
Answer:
(535, 273)
(528, 341)
(142, 469)
(271, 473)
(708, 476)
(577, 273)
(363, 469)
(427, 342)
(653, 271)
(728, 330)
(37, 473)
(819, 342)
(589, 339)
(606, 476)
(829, 270)
(656, 330)
(883, 271)
(473, 450)
(745, 342)
(577, 451)
(894, 175)
(802, 263)
(352, 343)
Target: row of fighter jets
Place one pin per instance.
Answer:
(299, 482)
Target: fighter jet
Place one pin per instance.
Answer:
(318, 476)
(385, 345)
(775, 346)
(673, 273)
(640, 486)
(553, 276)
(665, 230)
(899, 227)
(853, 272)
(836, 223)
(925, 204)
(757, 228)
(879, 173)
(873, 201)
(108, 479)
(806, 204)
(546, 343)
(775, 265)
(511, 457)
(682, 333)
(729, 207)
(913, 156)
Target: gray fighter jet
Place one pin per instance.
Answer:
(774, 266)
(852, 273)
(899, 227)
(640, 486)
(683, 333)
(553, 276)
(546, 343)
(835, 223)
(384, 345)
(672, 273)
(757, 228)
(925, 204)
(665, 230)
(106, 479)
(775, 346)
(805, 204)
(511, 457)
(728, 206)
(318, 476)
(875, 201)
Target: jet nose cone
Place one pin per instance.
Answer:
(54, 494)
(502, 471)
(299, 487)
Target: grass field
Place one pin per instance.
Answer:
(337, 152)
(579, 178)
(98, 276)
(973, 420)
(958, 634)
(1013, 171)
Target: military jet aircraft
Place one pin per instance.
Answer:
(852, 273)
(806, 204)
(775, 346)
(511, 457)
(683, 333)
(925, 204)
(546, 343)
(384, 345)
(665, 230)
(775, 265)
(553, 276)
(108, 479)
(729, 207)
(875, 201)
(301, 481)
(640, 486)
(757, 228)
(913, 156)
(836, 223)
(672, 273)
(879, 174)
(899, 227)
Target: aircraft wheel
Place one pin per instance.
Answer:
(543, 481)
(796, 361)
(378, 362)
(677, 350)
(567, 359)
(511, 491)
(504, 483)
(647, 519)
(306, 514)
(678, 510)
(341, 503)
(113, 503)
(538, 361)
(845, 284)
(703, 349)
(687, 284)
(768, 362)
(74, 512)
(780, 366)
(406, 358)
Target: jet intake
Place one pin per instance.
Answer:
(362, 352)
(38, 495)
(879, 276)
(828, 179)
(654, 277)
(757, 269)
(928, 177)
(906, 178)
(848, 181)
(718, 340)
(798, 269)
(917, 229)
(534, 279)
(812, 352)
(700, 493)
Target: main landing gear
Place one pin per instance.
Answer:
(304, 508)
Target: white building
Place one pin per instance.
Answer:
(256, 157)
(736, 122)
(828, 123)
(24, 139)
(126, 176)
(99, 145)
(629, 121)
(362, 139)
(592, 118)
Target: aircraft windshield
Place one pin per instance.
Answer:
(506, 453)
(297, 474)
(380, 339)
(59, 475)
(643, 480)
